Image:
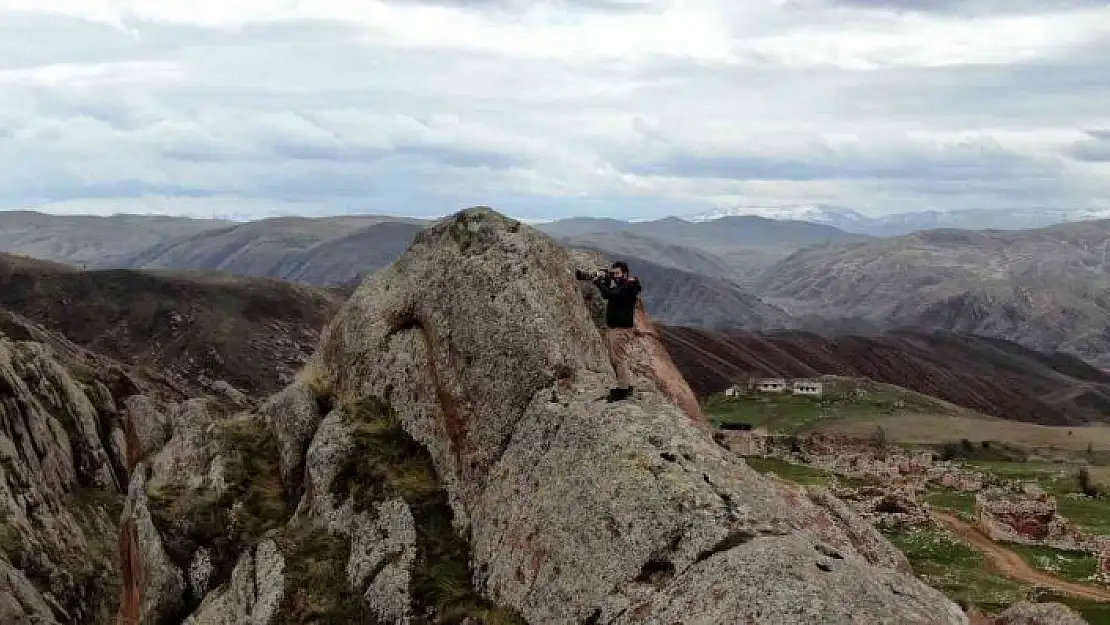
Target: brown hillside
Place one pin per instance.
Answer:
(988, 375)
(197, 328)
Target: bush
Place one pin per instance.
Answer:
(1088, 486)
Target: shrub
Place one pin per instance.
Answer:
(1088, 486)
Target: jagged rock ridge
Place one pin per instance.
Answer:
(67, 425)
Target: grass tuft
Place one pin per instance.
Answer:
(224, 523)
(388, 464)
(316, 583)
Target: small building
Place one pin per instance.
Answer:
(733, 391)
(769, 385)
(808, 387)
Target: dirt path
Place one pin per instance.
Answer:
(1012, 565)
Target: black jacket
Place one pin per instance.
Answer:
(621, 296)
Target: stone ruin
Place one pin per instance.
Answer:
(743, 442)
(1029, 516)
(1104, 563)
(886, 507)
(865, 459)
(965, 481)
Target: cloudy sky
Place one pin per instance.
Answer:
(631, 108)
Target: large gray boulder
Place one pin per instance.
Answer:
(578, 510)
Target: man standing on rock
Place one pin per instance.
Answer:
(621, 291)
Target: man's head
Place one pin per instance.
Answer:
(619, 270)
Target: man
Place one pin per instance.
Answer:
(621, 291)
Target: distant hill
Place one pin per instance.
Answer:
(92, 240)
(898, 224)
(680, 297)
(746, 245)
(1048, 289)
(321, 251)
(253, 333)
(331, 250)
(625, 245)
(992, 376)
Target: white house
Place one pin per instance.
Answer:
(808, 387)
(769, 385)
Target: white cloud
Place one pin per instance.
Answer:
(550, 108)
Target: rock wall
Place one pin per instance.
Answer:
(1033, 520)
(62, 475)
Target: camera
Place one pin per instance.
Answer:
(590, 275)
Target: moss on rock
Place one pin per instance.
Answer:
(11, 541)
(316, 586)
(84, 580)
(224, 522)
(387, 463)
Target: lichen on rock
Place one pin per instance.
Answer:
(372, 482)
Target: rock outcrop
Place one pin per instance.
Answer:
(578, 510)
(62, 475)
(1026, 613)
(447, 456)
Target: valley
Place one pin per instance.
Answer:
(993, 512)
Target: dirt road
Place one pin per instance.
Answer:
(1012, 565)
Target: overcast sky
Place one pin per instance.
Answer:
(630, 108)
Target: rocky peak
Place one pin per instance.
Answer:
(577, 510)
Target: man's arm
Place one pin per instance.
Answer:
(630, 287)
(603, 285)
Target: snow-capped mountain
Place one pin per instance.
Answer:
(904, 223)
(836, 216)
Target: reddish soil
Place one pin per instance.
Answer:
(991, 376)
(1014, 566)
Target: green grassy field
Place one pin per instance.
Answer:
(1076, 566)
(952, 500)
(964, 575)
(789, 414)
(793, 472)
(954, 568)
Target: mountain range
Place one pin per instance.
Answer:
(1046, 289)
(696, 271)
(897, 224)
(1043, 288)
